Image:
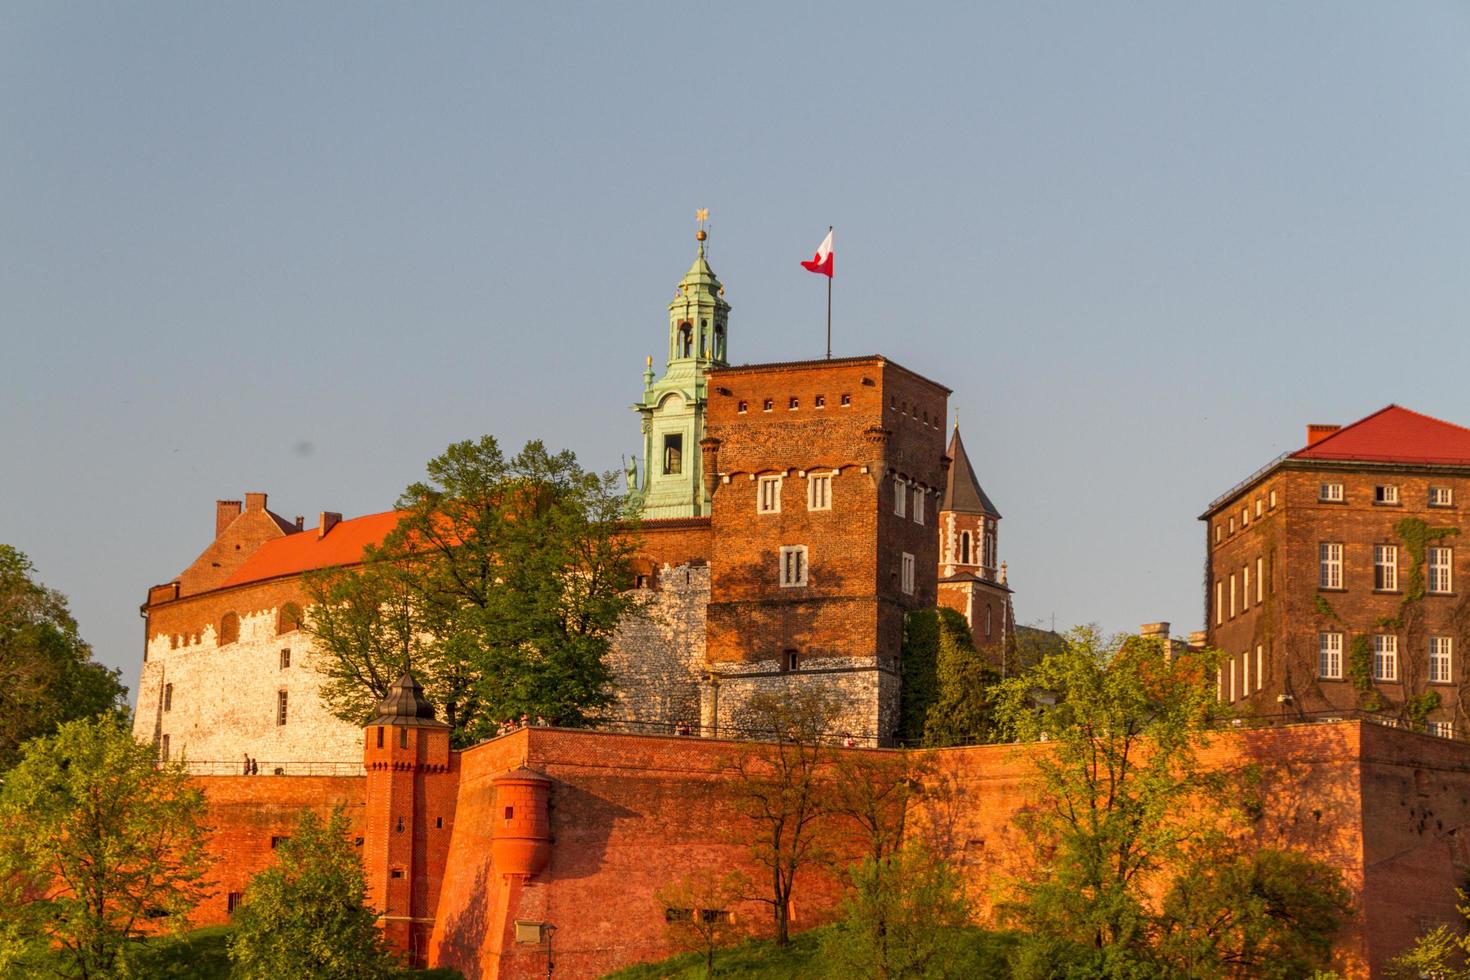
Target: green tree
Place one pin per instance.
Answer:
(904, 917)
(920, 666)
(47, 675)
(503, 582)
(1125, 812)
(306, 918)
(698, 911)
(963, 712)
(1442, 953)
(784, 789)
(97, 842)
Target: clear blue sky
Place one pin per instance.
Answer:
(300, 248)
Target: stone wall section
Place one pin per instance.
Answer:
(657, 655)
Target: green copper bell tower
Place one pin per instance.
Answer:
(673, 406)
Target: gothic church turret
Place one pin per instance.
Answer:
(673, 407)
(972, 578)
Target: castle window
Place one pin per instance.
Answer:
(846, 401)
(987, 620)
(285, 658)
(1245, 588)
(1245, 517)
(1219, 532)
(1443, 729)
(1232, 605)
(1439, 570)
(288, 620)
(1232, 679)
(396, 873)
(229, 628)
(918, 505)
(793, 566)
(794, 404)
(403, 738)
(232, 901)
(510, 813)
(906, 581)
(164, 747)
(1441, 497)
(820, 401)
(1271, 500)
(1385, 657)
(168, 697)
(380, 736)
(964, 547)
(1329, 565)
(438, 823)
(1260, 506)
(1260, 667)
(280, 707)
(819, 492)
(719, 341)
(767, 405)
(790, 660)
(900, 493)
(743, 407)
(1386, 567)
(988, 558)
(768, 495)
(1260, 582)
(1219, 601)
(1329, 656)
(1330, 492)
(1440, 648)
(1385, 493)
(1232, 524)
(674, 452)
(278, 839)
(686, 340)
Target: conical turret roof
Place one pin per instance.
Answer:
(962, 492)
(405, 704)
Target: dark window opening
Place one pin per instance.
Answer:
(285, 659)
(403, 738)
(165, 748)
(674, 452)
(789, 660)
(357, 842)
(768, 405)
(686, 340)
(510, 813)
(964, 547)
(794, 404)
(229, 628)
(820, 401)
(846, 401)
(232, 901)
(438, 823)
(743, 408)
(278, 839)
(396, 873)
(168, 697)
(380, 736)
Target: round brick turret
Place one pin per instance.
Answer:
(520, 840)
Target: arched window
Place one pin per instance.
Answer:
(989, 556)
(686, 339)
(719, 341)
(964, 547)
(987, 620)
(229, 628)
(288, 620)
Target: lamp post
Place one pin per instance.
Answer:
(548, 928)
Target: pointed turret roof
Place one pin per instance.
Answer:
(405, 704)
(962, 491)
(700, 280)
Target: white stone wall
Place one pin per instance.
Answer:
(225, 698)
(657, 655)
(868, 696)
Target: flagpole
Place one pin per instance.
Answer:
(829, 308)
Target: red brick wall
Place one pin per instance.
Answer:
(231, 547)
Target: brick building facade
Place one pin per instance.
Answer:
(1334, 581)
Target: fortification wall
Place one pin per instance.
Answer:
(657, 655)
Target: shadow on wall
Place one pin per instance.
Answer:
(582, 844)
(464, 933)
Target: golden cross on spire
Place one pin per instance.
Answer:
(956, 416)
(701, 215)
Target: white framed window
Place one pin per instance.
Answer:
(1260, 581)
(1441, 497)
(1245, 587)
(1385, 493)
(1260, 666)
(1245, 517)
(1386, 567)
(793, 566)
(987, 620)
(1232, 679)
(1329, 656)
(1330, 492)
(768, 495)
(1271, 500)
(906, 574)
(1232, 524)
(900, 497)
(819, 491)
(1260, 506)
(964, 547)
(280, 707)
(1440, 576)
(1219, 532)
(1245, 673)
(1329, 565)
(1441, 650)
(1443, 729)
(987, 542)
(918, 505)
(1219, 601)
(1220, 684)
(1232, 599)
(1385, 657)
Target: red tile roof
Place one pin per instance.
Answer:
(305, 551)
(1395, 435)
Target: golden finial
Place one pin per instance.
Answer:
(648, 361)
(956, 417)
(701, 215)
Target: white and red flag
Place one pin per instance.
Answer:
(822, 261)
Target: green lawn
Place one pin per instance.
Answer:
(985, 959)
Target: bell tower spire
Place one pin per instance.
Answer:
(673, 406)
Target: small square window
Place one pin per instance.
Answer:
(1441, 497)
(1386, 494)
(768, 495)
(819, 402)
(767, 405)
(396, 873)
(232, 901)
(510, 813)
(790, 660)
(285, 659)
(742, 407)
(794, 404)
(278, 839)
(1331, 492)
(846, 401)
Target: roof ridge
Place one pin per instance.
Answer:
(1352, 425)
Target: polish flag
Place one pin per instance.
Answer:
(822, 261)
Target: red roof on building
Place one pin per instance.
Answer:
(1394, 435)
(305, 550)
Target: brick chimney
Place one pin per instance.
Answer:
(329, 520)
(1316, 433)
(1161, 630)
(254, 503)
(225, 512)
